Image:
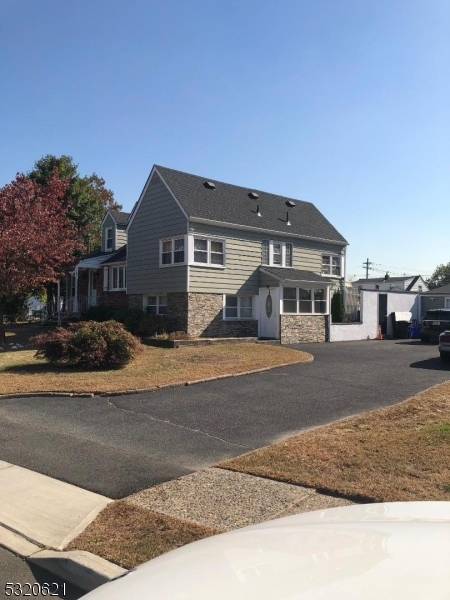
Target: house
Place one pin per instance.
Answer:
(100, 278)
(222, 260)
(407, 283)
(218, 260)
(436, 298)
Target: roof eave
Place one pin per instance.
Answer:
(250, 228)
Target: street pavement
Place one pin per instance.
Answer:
(16, 571)
(118, 445)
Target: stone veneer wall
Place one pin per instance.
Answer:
(114, 299)
(304, 328)
(206, 319)
(177, 311)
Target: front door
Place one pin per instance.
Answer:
(92, 288)
(269, 313)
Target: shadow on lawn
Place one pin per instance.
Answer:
(45, 368)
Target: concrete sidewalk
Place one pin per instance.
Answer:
(44, 511)
(39, 516)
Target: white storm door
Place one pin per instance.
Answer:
(269, 312)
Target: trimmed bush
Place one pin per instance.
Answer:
(337, 308)
(89, 345)
(179, 335)
(139, 322)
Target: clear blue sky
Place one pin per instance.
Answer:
(342, 103)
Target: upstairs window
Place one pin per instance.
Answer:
(276, 254)
(331, 265)
(109, 239)
(208, 252)
(172, 251)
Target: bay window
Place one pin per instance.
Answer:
(208, 252)
(172, 251)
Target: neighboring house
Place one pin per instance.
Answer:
(407, 283)
(436, 298)
(100, 278)
(222, 260)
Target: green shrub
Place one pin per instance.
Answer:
(337, 308)
(89, 345)
(139, 322)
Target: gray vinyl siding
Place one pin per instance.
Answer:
(121, 236)
(158, 216)
(429, 304)
(109, 222)
(243, 258)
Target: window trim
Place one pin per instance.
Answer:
(172, 239)
(238, 318)
(208, 239)
(111, 278)
(297, 299)
(283, 254)
(158, 304)
(330, 256)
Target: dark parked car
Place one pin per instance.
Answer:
(434, 323)
(444, 345)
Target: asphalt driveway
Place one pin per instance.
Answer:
(118, 445)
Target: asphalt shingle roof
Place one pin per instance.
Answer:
(444, 289)
(229, 203)
(118, 256)
(121, 218)
(284, 274)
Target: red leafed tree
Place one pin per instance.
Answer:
(37, 240)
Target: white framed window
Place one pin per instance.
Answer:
(118, 278)
(331, 264)
(304, 301)
(172, 251)
(276, 254)
(156, 305)
(109, 239)
(238, 307)
(207, 252)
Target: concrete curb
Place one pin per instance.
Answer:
(82, 569)
(154, 388)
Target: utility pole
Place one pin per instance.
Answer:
(366, 265)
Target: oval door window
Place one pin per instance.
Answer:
(269, 306)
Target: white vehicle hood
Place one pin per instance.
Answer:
(393, 550)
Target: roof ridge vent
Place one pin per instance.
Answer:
(210, 185)
(253, 195)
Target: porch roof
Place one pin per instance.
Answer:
(94, 262)
(295, 275)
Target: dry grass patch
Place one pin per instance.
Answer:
(21, 372)
(129, 535)
(394, 454)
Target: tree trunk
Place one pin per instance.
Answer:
(2, 326)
